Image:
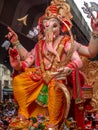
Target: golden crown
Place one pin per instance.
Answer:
(60, 8)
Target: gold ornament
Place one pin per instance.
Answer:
(23, 20)
(59, 8)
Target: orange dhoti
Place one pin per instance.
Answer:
(26, 91)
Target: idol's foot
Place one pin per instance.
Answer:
(52, 127)
(22, 117)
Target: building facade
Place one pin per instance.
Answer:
(5, 82)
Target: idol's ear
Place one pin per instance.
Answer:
(40, 24)
(63, 27)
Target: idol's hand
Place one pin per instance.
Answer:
(94, 24)
(12, 36)
(14, 57)
(61, 73)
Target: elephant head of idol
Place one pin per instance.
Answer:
(57, 18)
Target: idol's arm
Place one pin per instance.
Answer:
(13, 38)
(89, 51)
(16, 62)
(93, 45)
(92, 49)
(21, 50)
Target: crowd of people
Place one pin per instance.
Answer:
(91, 121)
(8, 110)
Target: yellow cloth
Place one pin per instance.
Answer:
(26, 91)
(56, 103)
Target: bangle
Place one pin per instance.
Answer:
(94, 35)
(16, 43)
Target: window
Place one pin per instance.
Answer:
(6, 83)
(5, 71)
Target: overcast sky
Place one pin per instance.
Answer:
(80, 4)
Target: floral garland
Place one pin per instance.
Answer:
(38, 123)
(33, 123)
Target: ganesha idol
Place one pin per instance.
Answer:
(48, 77)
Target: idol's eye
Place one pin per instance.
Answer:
(55, 25)
(43, 27)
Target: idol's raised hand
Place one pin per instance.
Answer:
(14, 57)
(94, 24)
(12, 36)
